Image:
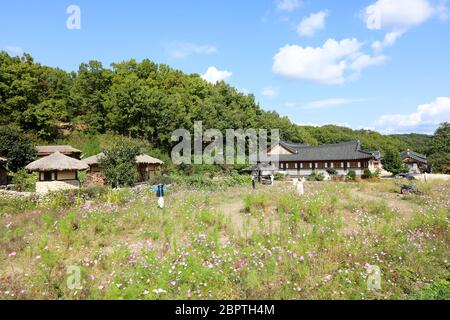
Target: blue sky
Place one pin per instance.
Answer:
(379, 64)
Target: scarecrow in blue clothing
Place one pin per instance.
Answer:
(159, 189)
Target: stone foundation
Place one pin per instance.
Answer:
(48, 186)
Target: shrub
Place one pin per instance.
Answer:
(23, 181)
(69, 198)
(351, 175)
(206, 182)
(367, 174)
(119, 163)
(376, 174)
(279, 176)
(331, 171)
(316, 176)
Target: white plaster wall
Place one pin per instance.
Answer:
(67, 175)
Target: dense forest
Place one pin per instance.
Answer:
(148, 101)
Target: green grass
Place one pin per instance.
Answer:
(229, 243)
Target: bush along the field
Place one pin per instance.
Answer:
(23, 181)
(367, 174)
(279, 176)
(206, 182)
(332, 171)
(316, 176)
(351, 175)
(119, 163)
(75, 197)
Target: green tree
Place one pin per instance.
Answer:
(16, 147)
(119, 163)
(393, 163)
(439, 151)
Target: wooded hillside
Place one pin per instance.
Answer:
(149, 101)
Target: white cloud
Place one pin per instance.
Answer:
(331, 103)
(389, 40)
(397, 13)
(269, 92)
(15, 50)
(398, 16)
(180, 50)
(213, 75)
(308, 26)
(288, 5)
(425, 119)
(333, 63)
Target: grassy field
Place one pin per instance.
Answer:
(232, 243)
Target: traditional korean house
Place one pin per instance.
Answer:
(43, 151)
(57, 172)
(416, 162)
(146, 165)
(301, 160)
(3, 172)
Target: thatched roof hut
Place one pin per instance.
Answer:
(140, 159)
(94, 160)
(57, 162)
(146, 159)
(145, 165)
(57, 172)
(43, 151)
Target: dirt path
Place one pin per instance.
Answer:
(393, 200)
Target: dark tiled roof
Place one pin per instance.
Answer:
(413, 155)
(293, 147)
(261, 167)
(339, 151)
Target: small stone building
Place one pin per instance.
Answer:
(146, 166)
(3, 172)
(57, 172)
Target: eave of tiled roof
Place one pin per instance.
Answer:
(339, 151)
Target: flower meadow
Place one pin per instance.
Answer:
(231, 243)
